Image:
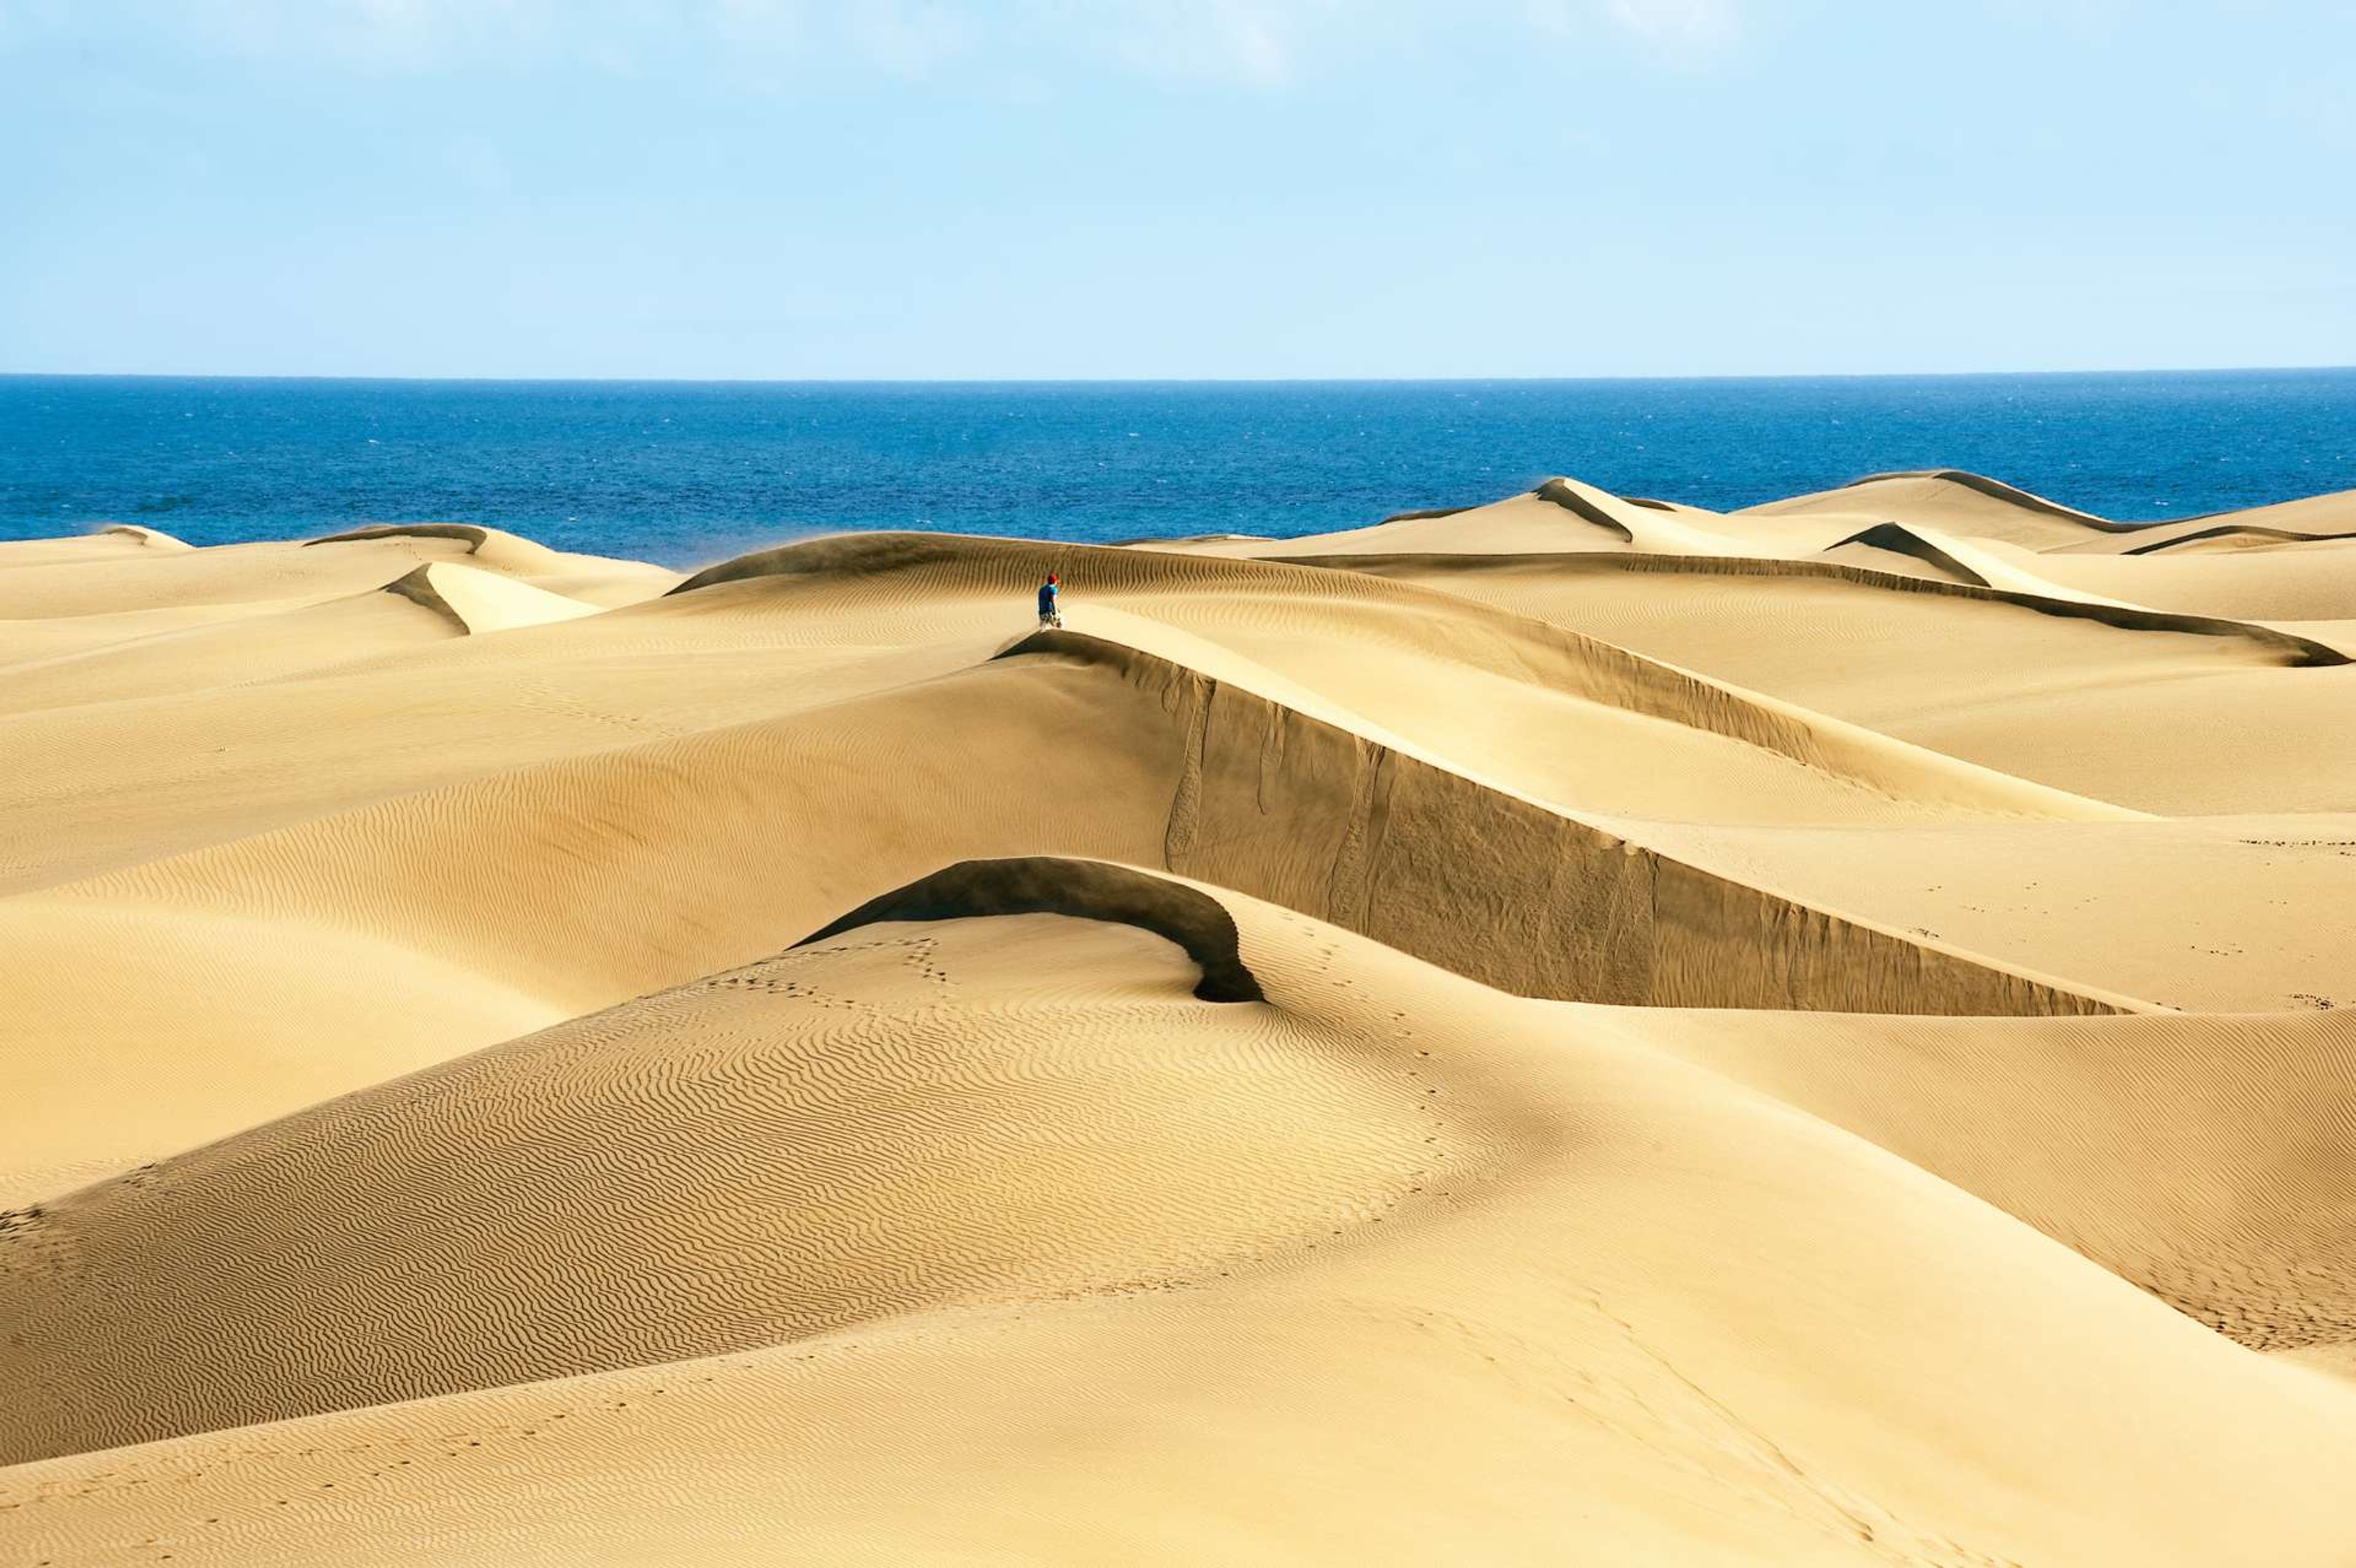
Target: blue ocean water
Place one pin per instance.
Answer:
(686, 473)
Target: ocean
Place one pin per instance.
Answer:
(686, 473)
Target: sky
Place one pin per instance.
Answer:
(1152, 188)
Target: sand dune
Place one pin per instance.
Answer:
(919, 1154)
(1968, 504)
(1452, 1235)
(1979, 507)
(138, 577)
(1575, 1027)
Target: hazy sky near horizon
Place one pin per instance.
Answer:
(889, 188)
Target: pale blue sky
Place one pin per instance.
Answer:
(768, 188)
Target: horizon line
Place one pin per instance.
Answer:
(1161, 380)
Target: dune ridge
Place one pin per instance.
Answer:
(154, 538)
(478, 541)
(2301, 650)
(2236, 531)
(1087, 889)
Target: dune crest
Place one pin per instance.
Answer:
(493, 544)
(1083, 889)
(153, 539)
(1995, 490)
(1964, 562)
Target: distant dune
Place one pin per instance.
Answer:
(1572, 1029)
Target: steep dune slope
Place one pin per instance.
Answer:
(1355, 817)
(1634, 1310)
(474, 601)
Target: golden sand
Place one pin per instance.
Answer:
(1577, 1030)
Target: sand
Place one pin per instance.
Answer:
(1575, 1029)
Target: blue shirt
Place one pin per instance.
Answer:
(1046, 599)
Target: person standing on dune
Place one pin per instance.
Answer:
(1049, 615)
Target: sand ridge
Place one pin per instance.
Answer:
(1580, 1025)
